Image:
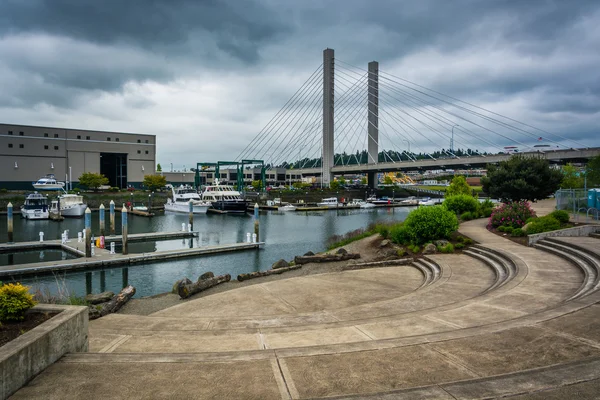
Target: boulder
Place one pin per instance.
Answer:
(384, 243)
(309, 253)
(341, 250)
(441, 242)
(280, 264)
(99, 298)
(526, 227)
(429, 249)
(181, 282)
(206, 276)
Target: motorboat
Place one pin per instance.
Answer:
(224, 198)
(35, 207)
(287, 207)
(331, 202)
(382, 201)
(362, 204)
(409, 201)
(72, 205)
(181, 201)
(427, 201)
(48, 182)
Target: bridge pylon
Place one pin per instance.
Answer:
(328, 109)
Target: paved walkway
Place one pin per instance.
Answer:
(377, 333)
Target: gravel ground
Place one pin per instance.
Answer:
(368, 248)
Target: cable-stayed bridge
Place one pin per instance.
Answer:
(345, 119)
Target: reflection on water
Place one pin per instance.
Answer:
(285, 234)
(34, 256)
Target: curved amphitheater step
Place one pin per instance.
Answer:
(504, 324)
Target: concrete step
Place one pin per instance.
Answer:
(502, 265)
(595, 235)
(586, 259)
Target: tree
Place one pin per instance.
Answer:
(572, 179)
(521, 178)
(154, 182)
(387, 180)
(592, 171)
(334, 185)
(458, 186)
(158, 168)
(257, 185)
(92, 180)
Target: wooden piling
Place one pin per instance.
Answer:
(101, 209)
(9, 222)
(112, 217)
(124, 230)
(88, 232)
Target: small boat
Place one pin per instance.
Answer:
(287, 207)
(426, 201)
(225, 198)
(181, 201)
(35, 207)
(382, 201)
(72, 205)
(409, 201)
(331, 202)
(362, 204)
(48, 182)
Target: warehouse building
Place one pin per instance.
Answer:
(30, 152)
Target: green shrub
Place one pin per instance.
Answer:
(486, 212)
(468, 241)
(460, 239)
(508, 229)
(414, 248)
(459, 245)
(383, 230)
(560, 215)
(501, 228)
(430, 223)
(401, 252)
(449, 248)
(543, 224)
(15, 299)
(511, 214)
(518, 232)
(466, 216)
(461, 203)
(4, 190)
(400, 234)
(487, 203)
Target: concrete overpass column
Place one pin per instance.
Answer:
(372, 179)
(373, 113)
(328, 105)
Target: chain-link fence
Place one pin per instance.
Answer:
(575, 201)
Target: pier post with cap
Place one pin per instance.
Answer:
(9, 222)
(256, 226)
(191, 217)
(124, 230)
(112, 217)
(101, 210)
(88, 232)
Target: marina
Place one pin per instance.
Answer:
(284, 234)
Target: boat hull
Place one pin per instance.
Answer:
(48, 186)
(184, 208)
(230, 206)
(35, 214)
(73, 211)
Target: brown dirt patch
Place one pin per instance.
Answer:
(10, 330)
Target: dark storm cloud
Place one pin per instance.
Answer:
(226, 67)
(164, 25)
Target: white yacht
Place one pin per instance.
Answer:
(48, 182)
(287, 207)
(362, 204)
(35, 207)
(72, 205)
(225, 198)
(331, 202)
(181, 199)
(409, 201)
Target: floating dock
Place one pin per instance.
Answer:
(103, 258)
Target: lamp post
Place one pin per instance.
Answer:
(452, 139)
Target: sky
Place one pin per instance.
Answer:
(206, 76)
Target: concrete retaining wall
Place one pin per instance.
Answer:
(583, 230)
(29, 354)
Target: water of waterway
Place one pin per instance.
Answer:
(286, 235)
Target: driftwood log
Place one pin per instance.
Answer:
(185, 291)
(257, 274)
(113, 305)
(320, 258)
